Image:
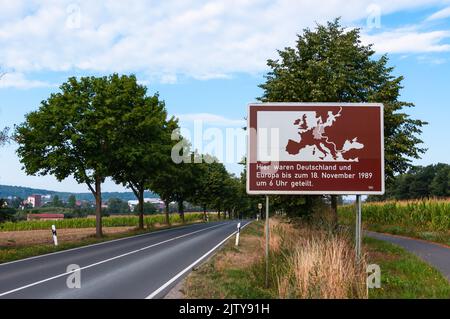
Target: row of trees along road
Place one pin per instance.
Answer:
(99, 127)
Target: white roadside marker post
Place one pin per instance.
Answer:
(260, 206)
(237, 234)
(55, 238)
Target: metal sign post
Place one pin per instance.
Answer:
(358, 231)
(267, 241)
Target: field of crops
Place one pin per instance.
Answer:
(432, 214)
(90, 222)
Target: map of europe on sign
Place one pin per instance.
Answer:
(310, 137)
(315, 148)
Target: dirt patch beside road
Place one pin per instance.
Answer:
(33, 237)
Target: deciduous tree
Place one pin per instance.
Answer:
(117, 206)
(143, 139)
(330, 64)
(72, 201)
(73, 133)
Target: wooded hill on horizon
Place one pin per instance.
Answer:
(23, 192)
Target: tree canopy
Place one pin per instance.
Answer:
(330, 64)
(117, 206)
(100, 127)
(74, 132)
(419, 182)
(4, 136)
(71, 201)
(142, 141)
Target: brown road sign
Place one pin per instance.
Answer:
(315, 148)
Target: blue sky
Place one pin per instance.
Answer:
(206, 59)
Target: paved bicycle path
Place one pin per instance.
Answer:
(435, 254)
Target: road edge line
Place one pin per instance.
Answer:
(98, 244)
(185, 270)
(103, 261)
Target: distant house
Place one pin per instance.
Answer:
(158, 203)
(45, 216)
(34, 201)
(82, 203)
(46, 199)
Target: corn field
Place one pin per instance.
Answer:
(431, 214)
(112, 221)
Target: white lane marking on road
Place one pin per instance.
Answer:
(185, 270)
(97, 244)
(105, 261)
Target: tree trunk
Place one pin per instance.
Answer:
(98, 208)
(334, 210)
(204, 213)
(141, 208)
(218, 214)
(167, 203)
(181, 210)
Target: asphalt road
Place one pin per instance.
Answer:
(436, 255)
(145, 266)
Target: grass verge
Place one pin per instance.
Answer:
(234, 272)
(304, 263)
(404, 275)
(239, 272)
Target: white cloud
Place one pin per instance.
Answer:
(169, 78)
(11, 9)
(210, 119)
(167, 39)
(409, 41)
(432, 60)
(18, 80)
(441, 14)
